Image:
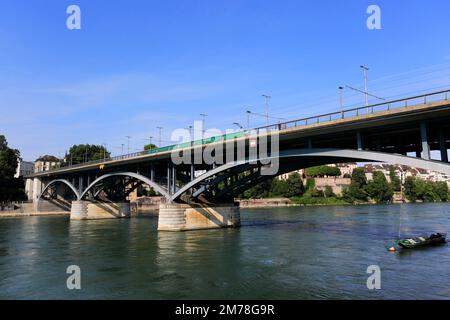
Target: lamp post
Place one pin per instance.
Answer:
(160, 135)
(266, 98)
(366, 88)
(248, 119)
(128, 137)
(203, 115)
(239, 125)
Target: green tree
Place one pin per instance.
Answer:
(279, 188)
(310, 184)
(150, 146)
(328, 192)
(410, 189)
(395, 180)
(261, 190)
(11, 189)
(441, 190)
(425, 191)
(322, 171)
(356, 191)
(379, 189)
(295, 185)
(85, 152)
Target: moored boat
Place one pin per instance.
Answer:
(436, 238)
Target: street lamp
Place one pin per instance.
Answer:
(160, 135)
(248, 119)
(239, 125)
(341, 97)
(266, 98)
(128, 137)
(366, 89)
(203, 115)
(149, 139)
(104, 150)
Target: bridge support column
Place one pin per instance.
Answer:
(37, 189)
(184, 217)
(359, 141)
(425, 146)
(93, 210)
(443, 147)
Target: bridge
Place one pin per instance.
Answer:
(200, 179)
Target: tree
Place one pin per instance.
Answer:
(279, 188)
(427, 191)
(295, 185)
(86, 152)
(261, 190)
(356, 191)
(323, 171)
(410, 189)
(396, 184)
(359, 177)
(441, 190)
(310, 184)
(150, 146)
(379, 189)
(328, 192)
(11, 189)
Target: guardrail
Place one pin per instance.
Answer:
(366, 110)
(326, 117)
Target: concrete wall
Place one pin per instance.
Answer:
(337, 184)
(183, 217)
(91, 210)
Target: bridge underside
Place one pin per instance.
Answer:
(407, 136)
(215, 184)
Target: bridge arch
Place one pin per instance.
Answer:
(60, 181)
(324, 156)
(137, 176)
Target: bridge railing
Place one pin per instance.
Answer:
(323, 118)
(361, 111)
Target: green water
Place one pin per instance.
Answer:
(282, 253)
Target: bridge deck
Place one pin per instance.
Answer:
(336, 122)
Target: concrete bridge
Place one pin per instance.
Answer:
(200, 193)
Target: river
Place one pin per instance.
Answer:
(278, 253)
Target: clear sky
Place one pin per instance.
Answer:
(136, 65)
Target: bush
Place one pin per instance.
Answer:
(322, 171)
(329, 192)
(427, 191)
(295, 186)
(379, 189)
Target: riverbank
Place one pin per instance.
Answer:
(12, 214)
(294, 202)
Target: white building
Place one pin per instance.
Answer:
(24, 168)
(46, 163)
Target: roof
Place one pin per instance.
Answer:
(48, 158)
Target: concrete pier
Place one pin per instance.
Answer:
(184, 217)
(90, 210)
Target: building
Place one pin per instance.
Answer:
(404, 172)
(46, 163)
(24, 168)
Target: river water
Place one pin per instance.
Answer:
(280, 253)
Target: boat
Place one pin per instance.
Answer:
(436, 238)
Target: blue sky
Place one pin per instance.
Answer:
(136, 65)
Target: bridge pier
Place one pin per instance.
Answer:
(443, 146)
(185, 217)
(425, 145)
(92, 210)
